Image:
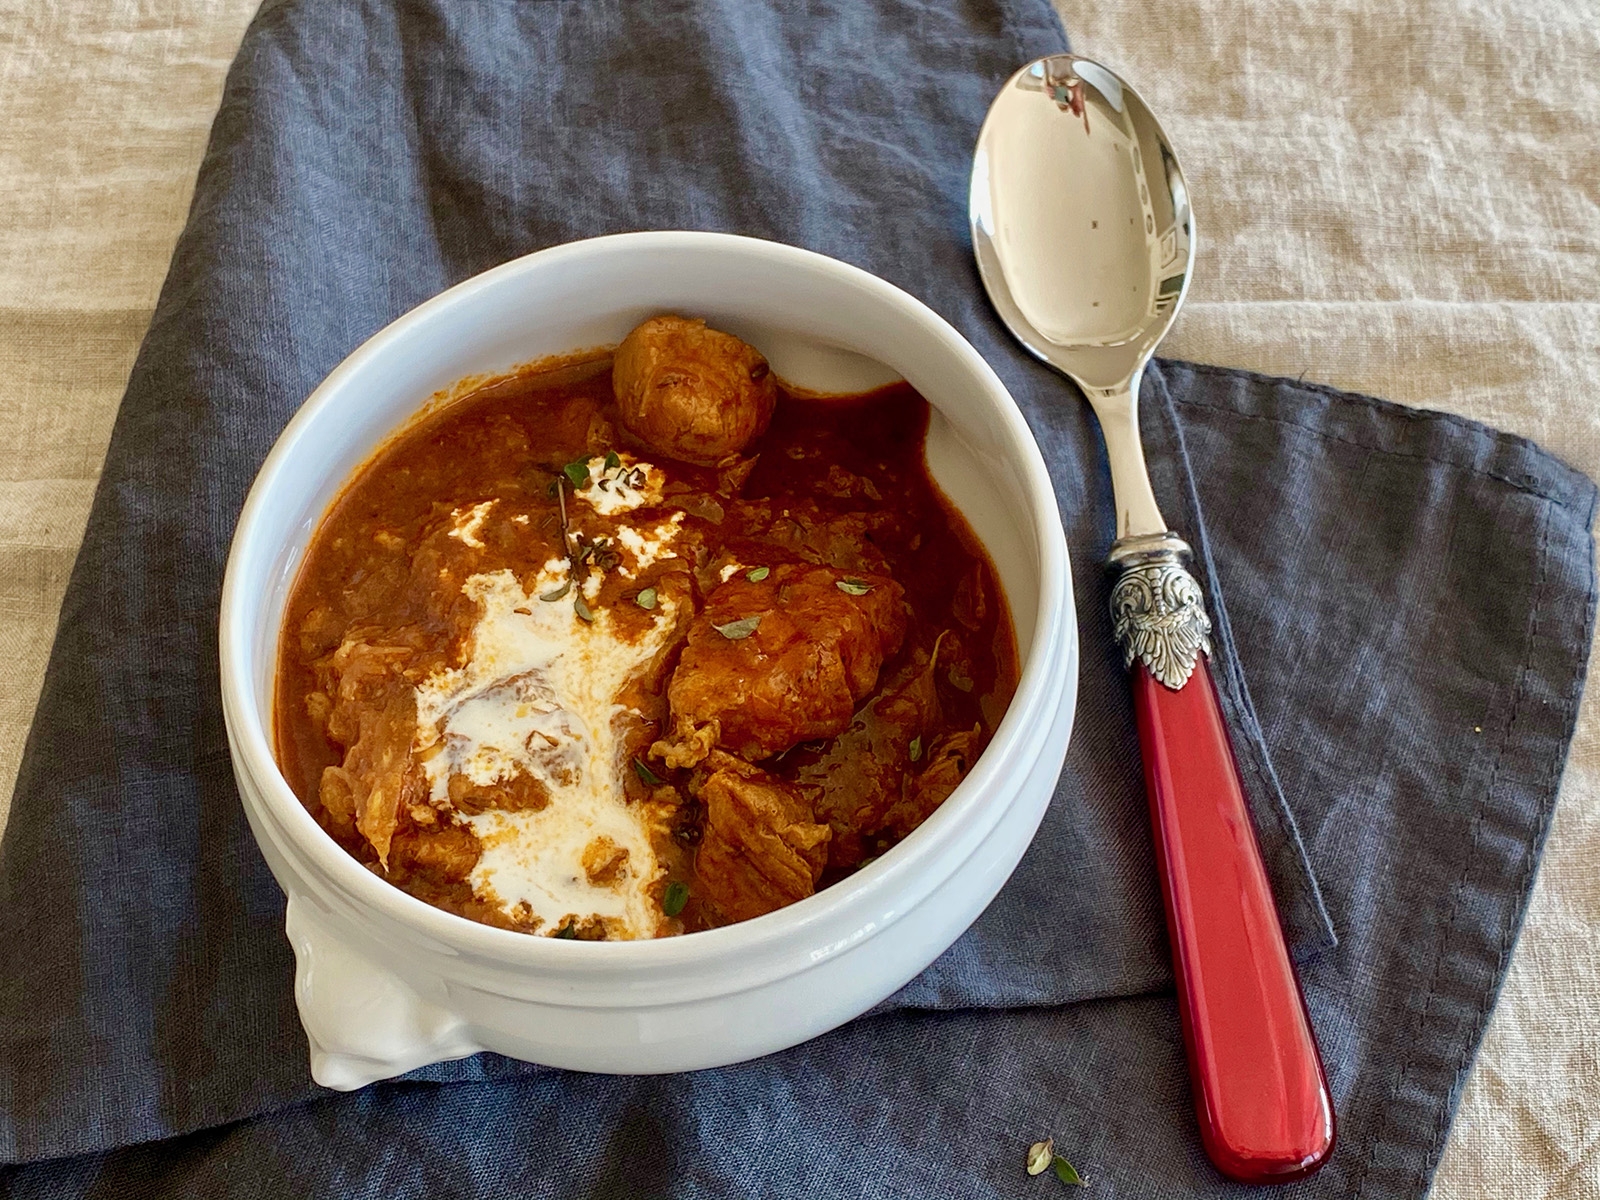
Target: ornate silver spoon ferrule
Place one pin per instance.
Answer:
(1158, 612)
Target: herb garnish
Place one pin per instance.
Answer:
(612, 461)
(853, 587)
(1039, 1155)
(578, 472)
(559, 592)
(567, 932)
(737, 630)
(757, 574)
(677, 895)
(958, 677)
(915, 749)
(582, 609)
(1042, 1156)
(646, 598)
(566, 536)
(646, 776)
(1066, 1172)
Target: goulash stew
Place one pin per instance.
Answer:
(639, 644)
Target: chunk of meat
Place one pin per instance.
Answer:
(803, 530)
(760, 850)
(321, 631)
(862, 772)
(689, 744)
(443, 855)
(603, 861)
(847, 485)
(773, 663)
(949, 760)
(692, 392)
(374, 716)
(522, 793)
(380, 762)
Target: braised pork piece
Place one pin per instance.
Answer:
(638, 644)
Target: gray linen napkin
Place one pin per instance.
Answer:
(1410, 596)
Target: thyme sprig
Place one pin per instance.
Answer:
(577, 548)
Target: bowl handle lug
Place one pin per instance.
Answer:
(364, 1022)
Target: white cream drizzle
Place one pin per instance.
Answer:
(468, 521)
(538, 695)
(611, 491)
(650, 547)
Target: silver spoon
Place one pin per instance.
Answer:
(1082, 230)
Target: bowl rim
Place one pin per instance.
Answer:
(1050, 666)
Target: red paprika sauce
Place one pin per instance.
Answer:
(824, 547)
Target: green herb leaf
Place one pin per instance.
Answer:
(736, 630)
(582, 609)
(677, 895)
(646, 776)
(646, 598)
(1066, 1172)
(853, 587)
(612, 461)
(915, 748)
(557, 593)
(1039, 1155)
(578, 472)
(567, 932)
(757, 574)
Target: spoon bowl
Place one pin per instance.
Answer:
(1080, 220)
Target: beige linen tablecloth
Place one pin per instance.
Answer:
(1401, 199)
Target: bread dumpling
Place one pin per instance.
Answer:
(692, 392)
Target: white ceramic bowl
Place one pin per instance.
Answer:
(386, 983)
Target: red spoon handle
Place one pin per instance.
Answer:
(1259, 1090)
